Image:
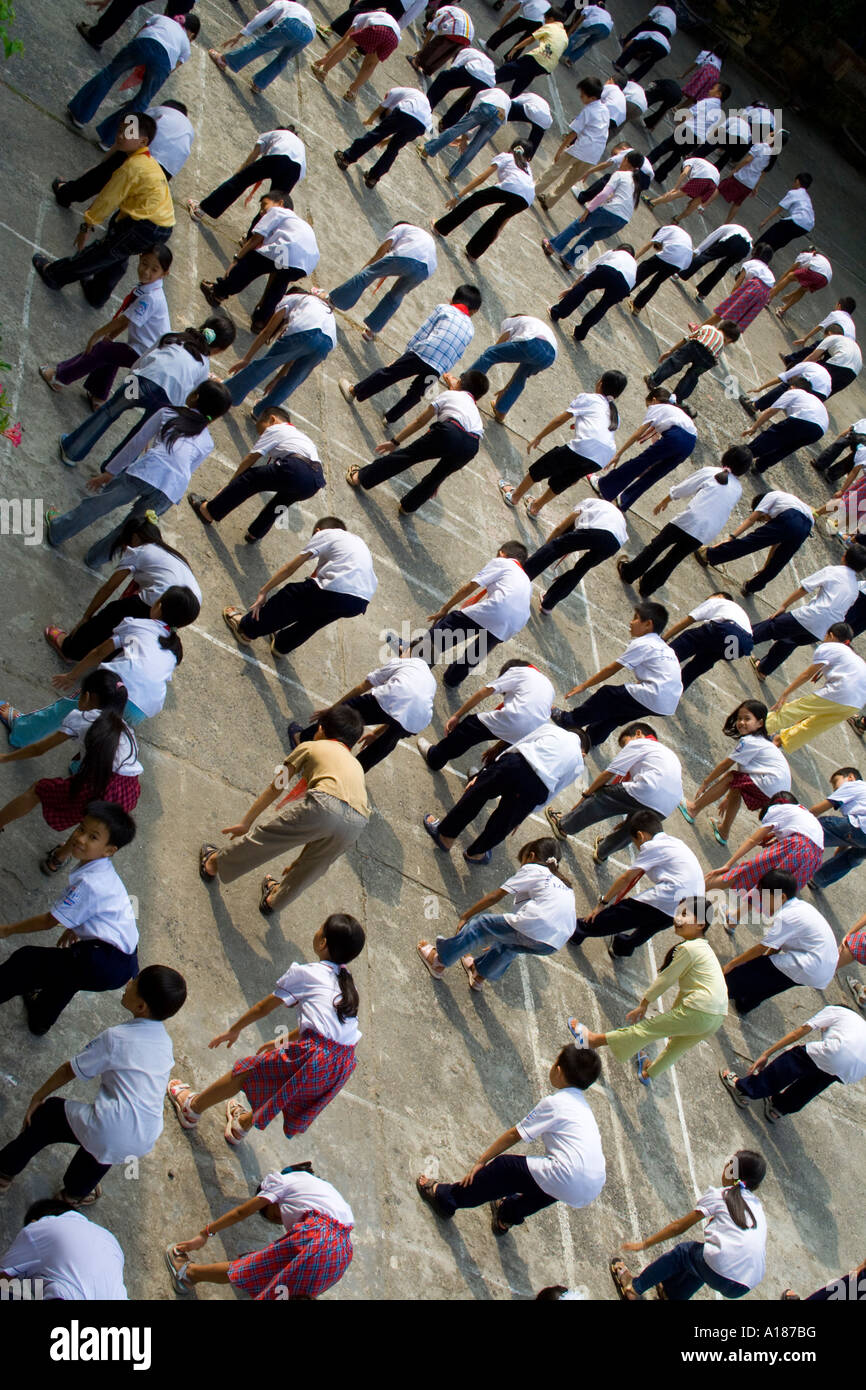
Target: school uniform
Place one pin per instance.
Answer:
(730, 1261)
(411, 260)
(812, 271)
(674, 254)
(695, 129)
(542, 923)
(723, 633)
(614, 273)
(73, 1259)
(801, 1073)
(595, 24)
(698, 354)
(761, 770)
(404, 11)
(434, 349)
(629, 481)
(63, 805)
(798, 218)
(146, 311)
(470, 72)
(608, 213)
(160, 47)
(536, 113)
(789, 522)
(528, 19)
(592, 446)
(514, 193)
(645, 776)
(616, 161)
(711, 505)
(288, 252)
(842, 360)
(664, 93)
(818, 377)
(837, 459)
(835, 589)
(724, 248)
(150, 571)
(636, 101)
(807, 954)
(656, 690)
(453, 440)
(614, 101)
(598, 529)
(530, 343)
(280, 32)
(498, 615)
(708, 65)
(740, 185)
(841, 696)
(308, 335)
(847, 831)
(674, 872)
(315, 1251)
(646, 48)
(797, 849)
(661, 19)
(527, 699)
(341, 586)
(408, 118)
(402, 697)
(590, 127)
(282, 158)
(289, 467)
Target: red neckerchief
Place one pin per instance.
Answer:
(125, 305)
(461, 308)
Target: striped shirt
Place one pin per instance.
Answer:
(709, 337)
(442, 338)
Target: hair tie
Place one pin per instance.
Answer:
(180, 19)
(552, 859)
(209, 419)
(151, 516)
(209, 335)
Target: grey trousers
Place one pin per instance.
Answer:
(608, 801)
(324, 826)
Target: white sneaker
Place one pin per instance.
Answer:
(345, 386)
(858, 990)
(424, 745)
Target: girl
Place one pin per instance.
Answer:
(295, 1075)
(143, 652)
(526, 341)
(279, 33)
(594, 418)
(703, 74)
(311, 1257)
(853, 951)
(544, 920)
(811, 271)
(789, 837)
(605, 215)
(514, 192)
(301, 332)
(143, 317)
(731, 1258)
(164, 376)
(148, 567)
(105, 769)
(376, 34)
(152, 470)
(755, 771)
(697, 182)
(750, 294)
(671, 437)
(699, 1009)
(409, 254)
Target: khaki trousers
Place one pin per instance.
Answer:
(324, 830)
(565, 172)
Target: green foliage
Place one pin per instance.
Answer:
(7, 18)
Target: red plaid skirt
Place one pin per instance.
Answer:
(810, 279)
(296, 1082)
(62, 810)
(312, 1257)
(705, 78)
(743, 306)
(753, 798)
(378, 39)
(699, 188)
(733, 192)
(797, 855)
(856, 943)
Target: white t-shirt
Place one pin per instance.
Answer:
(134, 1061)
(813, 260)
(493, 96)
(405, 687)
(841, 1050)
(592, 436)
(664, 416)
(77, 725)
(712, 502)
(655, 36)
(675, 244)
(533, 9)
(658, 684)
(573, 1168)
(772, 503)
(528, 698)
(280, 9)
(282, 440)
(478, 64)
(721, 610)
(172, 142)
(802, 405)
(76, 1259)
(143, 665)
(519, 327)
(378, 18)
(835, 589)
(844, 674)
(730, 229)
(673, 869)
(284, 142)
(504, 609)
(315, 989)
(531, 107)
(165, 465)
(594, 14)
(287, 239)
(635, 95)
(614, 99)
(408, 240)
(705, 116)
(789, 820)
(734, 1254)
(174, 369)
(842, 352)
(171, 35)
(701, 168)
(305, 312)
(147, 316)
(591, 127)
(618, 194)
(554, 754)
(757, 270)
(649, 772)
(620, 261)
(759, 157)
(764, 762)
(411, 101)
(851, 798)
(459, 408)
(808, 953)
(818, 377)
(155, 570)
(298, 1193)
(797, 207)
(841, 320)
(665, 16)
(97, 907)
(345, 563)
(545, 909)
(512, 179)
(595, 514)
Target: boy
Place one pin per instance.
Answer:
(97, 950)
(580, 149)
(326, 820)
(397, 697)
(847, 831)
(802, 1072)
(656, 690)
(835, 590)
(403, 115)
(842, 696)
(278, 155)
(786, 522)
(840, 357)
(596, 527)
(838, 321)
(724, 633)
(796, 219)
(698, 353)
(727, 246)
(124, 1121)
(453, 440)
(798, 948)
(527, 699)
(672, 248)
(430, 354)
(285, 463)
(283, 247)
(72, 1258)
(818, 379)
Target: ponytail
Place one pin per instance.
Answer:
(143, 531)
(103, 737)
(634, 160)
(178, 607)
(612, 385)
(212, 399)
(548, 852)
(345, 939)
(520, 151)
(215, 334)
(750, 1169)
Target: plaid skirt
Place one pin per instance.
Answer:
(705, 78)
(61, 810)
(743, 306)
(810, 279)
(733, 192)
(310, 1258)
(797, 855)
(377, 39)
(856, 943)
(297, 1082)
(753, 798)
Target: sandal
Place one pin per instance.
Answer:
(729, 1080)
(498, 1227)
(771, 1114)
(234, 1133)
(353, 475)
(204, 855)
(8, 715)
(426, 1189)
(318, 74)
(197, 500)
(86, 1201)
(481, 859)
(506, 491)
(232, 618)
(217, 59)
(49, 380)
(642, 1056)
(858, 990)
(50, 864)
(527, 503)
(426, 951)
(187, 1118)
(476, 981)
(268, 886)
(55, 637)
(193, 208)
(207, 289)
(685, 813)
(350, 97)
(717, 834)
(553, 820)
(577, 1031)
(179, 1277)
(621, 1276)
(431, 825)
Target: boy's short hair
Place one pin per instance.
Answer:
(467, 295)
(146, 125)
(45, 1206)
(804, 180)
(778, 881)
(648, 821)
(624, 246)
(192, 24)
(641, 729)
(279, 410)
(162, 989)
(724, 90)
(176, 106)
(843, 632)
(580, 1066)
(342, 723)
(651, 612)
(847, 304)
(847, 772)
(590, 86)
(509, 665)
(855, 558)
(514, 550)
(730, 330)
(118, 823)
(329, 523)
(475, 383)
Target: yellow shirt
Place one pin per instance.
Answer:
(695, 969)
(328, 766)
(549, 44)
(138, 189)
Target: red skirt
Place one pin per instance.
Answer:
(743, 306)
(377, 39)
(699, 188)
(733, 191)
(312, 1257)
(797, 855)
(810, 279)
(296, 1082)
(856, 943)
(704, 79)
(753, 799)
(61, 810)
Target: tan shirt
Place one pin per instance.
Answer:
(329, 767)
(695, 969)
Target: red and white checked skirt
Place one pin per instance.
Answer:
(312, 1257)
(796, 854)
(743, 306)
(296, 1082)
(61, 809)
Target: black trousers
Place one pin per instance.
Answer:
(650, 567)
(779, 234)
(249, 268)
(726, 253)
(784, 533)
(665, 94)
(693, 356)
(785, 633)
(605, 710)
(791, 1080)
(55, 975)
(291, 479)
(520, 72)
(516, 29)
(519, 790)
(597, 545)
(100, 627)
(409, 364)
(282, 172)
(49, 1125)
(507, 206)
(750, 984)
(536, 132)
(479, 643)
(102, 264)
(118, 13)
(630, 923)
(297, 611)
(398, 128)
(561, 467)
(856, 615)
(840, 377)
(645, 53)
(467, 734)
(699, 648)
(837, 460)
(652, 275)
(778, 441)
(507, 1176)
(669, 152)
(372, 713)
(614, 289)
(454, 80)
(446, 442)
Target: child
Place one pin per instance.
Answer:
(572, 1169)
(838, 321)
(597, 528)
(842, 695)
(278, 155)
(538, 54)
(671, 437)
(798, 948)
(838, 459)
(727, 246)
(812, 272)
(526, 341)
(724, 633)
(408, 253)
(302, 332)
(124, 1120)
(283, 247)
(447, 30)
(514, 193)
(807, 376)
(310, 1258)
(645, 49)
(755, 771)
(487, 113)
(785, 523)
(452, 441)
(732, 1257)
(532, 110)
(796, 219)
(581, 147)
(72, 1258)
(846, 831)
(527, 699)
(840, 357)
(835, 589)
(403, 115)
(281, 31)
(529, 16)
(697, 182)
(698, 352)
(614, 273)
(805, 422)
(470, 72)
(672, 252)
(543, 922)
(97, 949)
(285, 463)
(699, 1009)
(789, 838)
(749, 295)
(376, 34)
(606, 215)
(592, 24)
(802, 1072)
(143, 317)
(397, 697)
(745, 178)
(703, 74)
(326, 821)
(294, 1076)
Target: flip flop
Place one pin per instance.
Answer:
(685, 814)
(468, 963)
(49, 381)
(217, 59)
(642, 1056)
(8, 715)
(231, 618)
(717, 834)
(50, 864)
(618, 1268)
(577, 1031)
(172, 1090)
(203, 855)
(194, 210)
(197, 500)
(178, 1277)
(431, 825)
(505, 490)
(527, 504)
(234, 1110)
(268, 886)
(426, 952)
(55, 636)
(499, 1227)
(353, 475)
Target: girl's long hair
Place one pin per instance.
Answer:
(520, 151)
(634, 160)
(755, 707)
(750, 1168)
(137, 530)
(103, 737)
(187, 421)
(344, 938)
(178, 607)
(613, 384)
(215, 333)
(548, 852)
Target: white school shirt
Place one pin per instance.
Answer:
(675, 244)
(721, 234)
(655, 36)
(477, 64)
(519, 327)
(818, 377)
(591, 127)
(555, 756)
(841, 1051)
(76, 1260)
(835, 589)
(761, 120)
(759, 158)
(707, 58)
(284, 142)
(147, 316)
(412, 10)
(528, 698)
(757, 270)
(790, 820)
(842, 352)
(133, 1061)
(96, 906)
(797, 207)
(703, 117)
(298, 1193)
(614, 99)
(345, 563)
(592, 436)
(665, 416)
(734, 1254)
(618, 194)
(280, 9)
(280, 440)
(664, 15)
(77, 724)
(772, 503)
(618, 160)
(315, 989)
(163, 465)
(512, 179)
(289, 238)
(378, 18)
(143, 665)
(533, 9)
(701, 169)
(594, 14)
(649, 772)
(411, 101)
(408, 240)
(172, 142)
(623, 262)
(155, 570)
(169, 35)
(596, 514)
(405, 688)
(493, 96)
(711, 505)
(764, 762)
(635, 95)
(659, 684)
(545, 909)
(532, 108)
(851, 797)
(572, 1170)
(721, 610)
(842, 320)
(734, 129)
(813, 260)
(844, 674)
(304, 312)
(504, 609)
(174, 369)
(808, 953)
(458, 408)
(673, 869)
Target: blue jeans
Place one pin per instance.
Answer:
(285, 40)
(124, 490)
(140, 52)
(304, 350)
(838, 830)
(493, 964)
(596, 227)
(485, 119)
(134, 392)
(532, 356)
(684, 1271)
(409, 275)
(583, 39)
(29, 728)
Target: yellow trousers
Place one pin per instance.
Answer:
(801, 720)
(683, 1027)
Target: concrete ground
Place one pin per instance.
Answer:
(441, 1071)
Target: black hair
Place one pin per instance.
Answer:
(644, 730)
(843, 632)
(651, 612)
(342, 723)
(855, 558)
(585, 740)
(755, 707)
(191, 24)
(778, 881)
(758, 499)
(520, 151)
(659, 393)
(163, 253)
(195, 342)
(701, 909)
(613, 384)
(750, 1169)
(737, 460)
(509, 665)
(329, 523)
(847, 304)
(729, 328)
(590, 86)
(45, 1206)
(762, 252)
(162, 989)
(138, 528)
(634, 160)
(847, 772)
(212, 400)
(552, 1293)
(804, 180)
(724, 89)
(345, 939)
(475, 383)
(514, 550)
(176, 106)
(546, 851)
(118, 823)
(778, 799)
(178, 607)
(624, 246)
(723, 593)
(103, 736)
(579, 1065)
(648, 821)
(146, 126)
(467, 295)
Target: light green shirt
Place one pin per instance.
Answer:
(695, 969)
